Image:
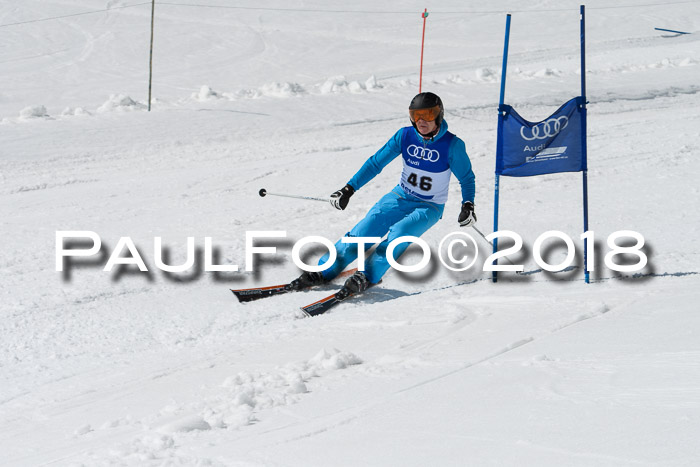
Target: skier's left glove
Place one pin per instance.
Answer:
(467, 217)
(341, 198)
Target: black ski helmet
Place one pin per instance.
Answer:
(426, 100)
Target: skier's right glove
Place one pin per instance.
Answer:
(467, 216)
(341, 198)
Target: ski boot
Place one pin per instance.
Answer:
(356, 283)
(306, 280)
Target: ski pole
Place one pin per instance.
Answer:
(482, 235)
(263, 192)
(487, 241)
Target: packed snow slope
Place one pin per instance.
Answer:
(429, 368)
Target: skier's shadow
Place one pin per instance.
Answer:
(380, 295)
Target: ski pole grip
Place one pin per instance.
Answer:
(262, 192)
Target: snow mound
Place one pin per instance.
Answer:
(205, 93)
(32, 112)
(74, 111)
(548, 72)
(281, 89)
(247, 393)
(184, 424)
(487, 75)
(338, 84)
(120, 103)
(240, 399)
(334, 84)
(145, 450)
(371, 83)
(665, 63)
(335, 359)
(244, 94)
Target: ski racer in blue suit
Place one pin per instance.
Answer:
(430, 155)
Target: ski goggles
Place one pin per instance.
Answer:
(428, 115)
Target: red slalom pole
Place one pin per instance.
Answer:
(424, 15)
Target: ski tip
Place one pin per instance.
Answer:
(319, 307)
(248, 295)
(304, 313)
(240, 298)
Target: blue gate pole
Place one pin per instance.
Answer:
(494, 274)
(584, 149)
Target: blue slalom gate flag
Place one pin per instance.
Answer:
(556, 144)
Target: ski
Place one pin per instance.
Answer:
(321, 306)
(325, 304)
(256, 293)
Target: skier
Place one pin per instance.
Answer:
(429, 154)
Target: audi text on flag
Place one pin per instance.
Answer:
(534, 148)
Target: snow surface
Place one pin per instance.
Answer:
(432, 368)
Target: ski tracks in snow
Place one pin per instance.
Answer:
(240, 400)
(457, 332)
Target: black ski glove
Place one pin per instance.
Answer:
(466, 216)
(341, 198)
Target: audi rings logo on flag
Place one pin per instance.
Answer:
(547, 129)
(430, 155)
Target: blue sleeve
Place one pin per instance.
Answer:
(374, 165)
(462, 168)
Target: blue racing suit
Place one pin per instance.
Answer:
(415, 204)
